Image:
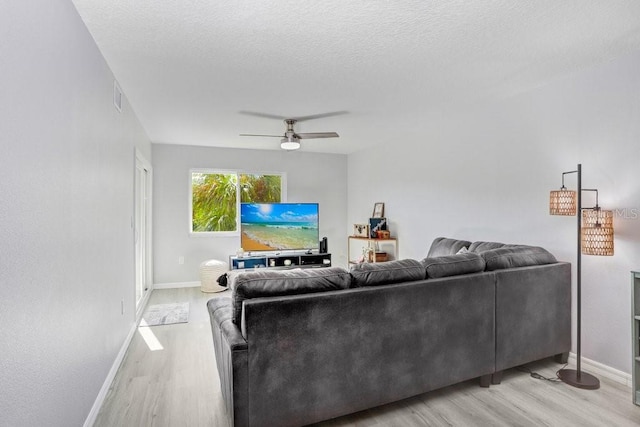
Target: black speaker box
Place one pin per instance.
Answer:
(324, 246)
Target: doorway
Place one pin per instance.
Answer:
(142, 228)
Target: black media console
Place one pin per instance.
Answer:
(287, 260)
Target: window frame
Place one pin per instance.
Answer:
(237, 172)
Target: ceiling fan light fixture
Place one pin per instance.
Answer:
(289, 144)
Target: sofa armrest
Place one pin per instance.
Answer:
(221, 311)
(232, 355)
(533, 313)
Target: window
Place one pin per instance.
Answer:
(214, 197)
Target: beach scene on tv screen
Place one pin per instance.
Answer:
(273, 226)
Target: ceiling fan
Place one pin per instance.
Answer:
(291, 139)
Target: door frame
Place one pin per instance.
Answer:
(141, 161)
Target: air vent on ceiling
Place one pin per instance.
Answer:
(117, 96)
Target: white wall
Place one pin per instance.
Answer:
(66, 183)
(485, 174)
(311, 177)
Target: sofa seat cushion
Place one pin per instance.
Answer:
(270, 283)
(386, 273)
(511, 256)
(453, 265)
(444, 246)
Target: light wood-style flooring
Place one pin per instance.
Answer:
(178, 385)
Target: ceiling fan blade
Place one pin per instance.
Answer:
(320, 116)
(253, 134)
(299, 119)
(317, 135)
(263, 115)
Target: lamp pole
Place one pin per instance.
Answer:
(575, 377)
(579, 277)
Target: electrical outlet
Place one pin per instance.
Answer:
(181, 260)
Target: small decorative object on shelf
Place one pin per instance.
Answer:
(361, 230)
(383, 234)
(381, 256)
(367, 254)
(378, 210)
(375, 225)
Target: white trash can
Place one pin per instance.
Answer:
(210, 270)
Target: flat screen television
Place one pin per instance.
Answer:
(279, 226)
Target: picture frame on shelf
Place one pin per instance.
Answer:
(378, 210)
(361, 230)
(375, 225)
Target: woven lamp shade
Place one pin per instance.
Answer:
(597, 240)
(563, 202)
(591, 217)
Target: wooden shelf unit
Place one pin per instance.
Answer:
(357, 244)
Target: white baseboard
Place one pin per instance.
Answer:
(599, 369)
(97, 404)
(143, 304)
(176, 285)
(91, 418)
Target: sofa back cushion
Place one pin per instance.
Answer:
(511, 256)
(453, 265)
(479, 247)
(269, 283)
(444, 246)
(386, 273)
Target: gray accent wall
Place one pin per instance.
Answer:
(66, 184)
(484, 172)
(311, 177)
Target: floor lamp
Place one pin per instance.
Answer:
(595, 237)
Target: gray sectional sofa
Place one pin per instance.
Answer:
(294, 347)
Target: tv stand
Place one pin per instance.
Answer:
(281, 261)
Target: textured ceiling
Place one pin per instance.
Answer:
(189, 68)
